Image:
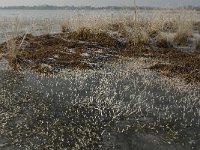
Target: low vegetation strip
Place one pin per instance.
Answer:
(84, 49)
(52, 53)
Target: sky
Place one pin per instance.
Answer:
(97, 3)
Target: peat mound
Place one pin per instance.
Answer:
(52, 53)
(85, 49)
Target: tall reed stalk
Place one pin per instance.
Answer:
(135, 10)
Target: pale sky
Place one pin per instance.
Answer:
(155, 3)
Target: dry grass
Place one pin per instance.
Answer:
(198, 44)
(196, 26)
(82, 123)
(170, 25)
(114, 35)
(183, 33)
(185, 21)
(162, 41)
(12, 52)
(65, 25)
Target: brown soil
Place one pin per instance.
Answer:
(87, 50)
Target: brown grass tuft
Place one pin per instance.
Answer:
(12, 53)
(83, 34)
(185, 30)
(65, 25)
(198, 44)
(197, 26)
(170, 26)
(162, 41)
(181, 38)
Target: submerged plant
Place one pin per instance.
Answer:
(56, 125)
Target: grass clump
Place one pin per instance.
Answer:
(162, 41)
(170, 26)
(139, 37)
(51, 53)
(197, 26)
(83, 34)
(184, 32)
(181, 38)
(198, 44)
(65, 25)
(12, 52)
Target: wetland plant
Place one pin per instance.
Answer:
(47, 124)
(12, 52)
(162, 41)
(198, 44)
(184, 31)
(53, 120)
(87, 108)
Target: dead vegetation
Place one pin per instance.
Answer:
(52, 53)
(196, 26)
(179, 64)
(183, 33)
(162, 41)
(88, 45)
(170, 26)
(87, 50)
(198, 44)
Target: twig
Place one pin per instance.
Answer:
(25, 36)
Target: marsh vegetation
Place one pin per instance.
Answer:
(118, 81)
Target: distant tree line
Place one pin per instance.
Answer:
(51, 7)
